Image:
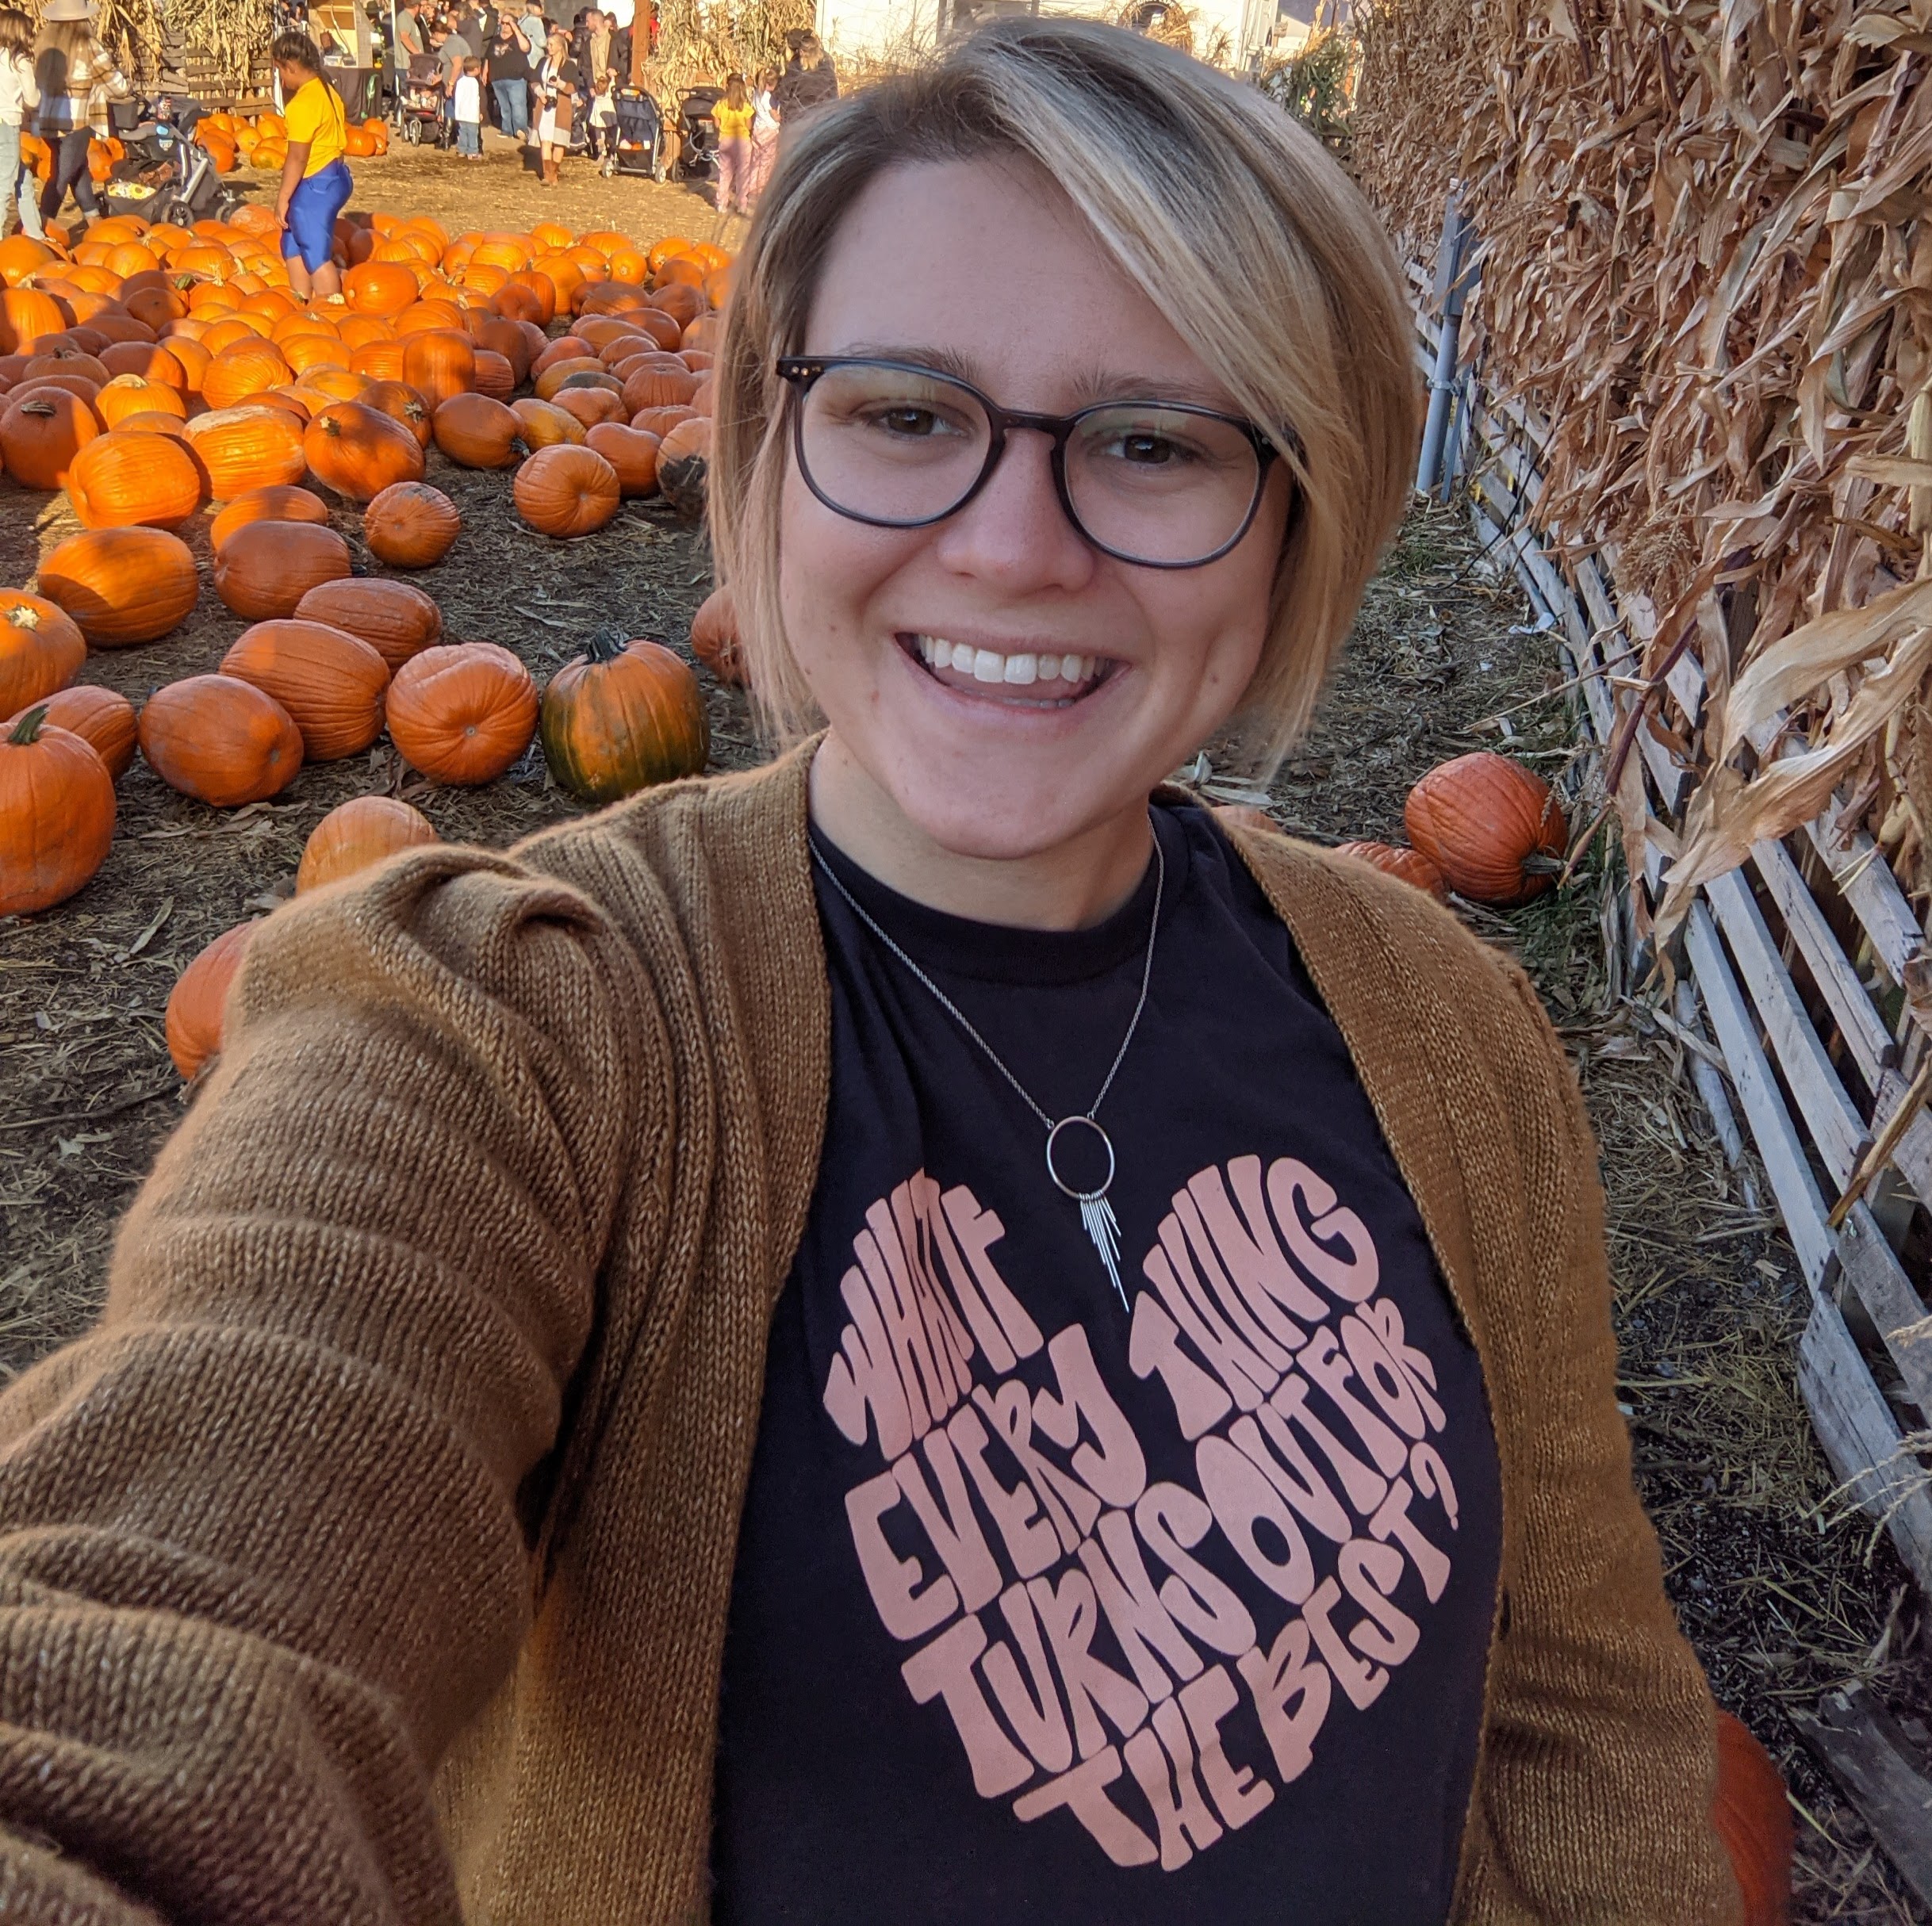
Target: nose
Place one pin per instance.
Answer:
(1014, 532)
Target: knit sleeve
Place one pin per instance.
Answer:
(265, 1531)
(1600, 1755)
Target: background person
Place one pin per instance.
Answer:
(560, 83)
(469, 110)
(509, 78)
(19, 95)
(78, 83)
(763, 132)
(733, 113)
(315, 181)
(808, 80)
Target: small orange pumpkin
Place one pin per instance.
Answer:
(126, 480)
(220, 739)
(244, 448)
(41, 649)
(265, 568)
(683, 465)
(1411, 865)
(566, 491)
(196, 1005)
(122, 585)
(463, 712)
(396, 619)
(1493, 827)
(330, 681)
(1751, 1814)
(283, 504)
(715, 637)
(410, 525)
(475, 431)
(98, 716)
(357, 834)
(57, 804)
(41, 432)
(359, 451)
(632, 452)
(621, 716)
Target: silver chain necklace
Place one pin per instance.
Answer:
(1096, 1216)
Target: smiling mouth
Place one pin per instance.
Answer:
(1029, 679)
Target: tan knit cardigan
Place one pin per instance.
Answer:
(369, 1562)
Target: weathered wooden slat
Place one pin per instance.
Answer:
(1866, 879)
(1828, 1113)
(1876, 1277)
(1862, 1746)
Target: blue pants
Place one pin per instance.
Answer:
(512, 105)
(470, 136)
(313, 209)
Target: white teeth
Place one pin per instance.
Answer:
(987, 667)
(1049, 668)
(1022, 668)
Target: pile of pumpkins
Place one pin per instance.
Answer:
(231, 139)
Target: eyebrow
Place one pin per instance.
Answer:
(1096, 385)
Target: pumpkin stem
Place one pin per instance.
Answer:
(27, 730)
(607, 645)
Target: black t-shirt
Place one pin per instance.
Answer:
(507, 60)
(1048, 1609)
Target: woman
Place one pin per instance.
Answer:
(509, 77)
(20, 99)
(764, 134)
(560, 85)
(78, 84)
(920, 1333)
(315, 180)
(733, 115)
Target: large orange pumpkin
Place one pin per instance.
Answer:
(632, 452)
(122, 585)
(684, 463)
(396, 619)
(330, 681)
(100, 716)
(545, 425)
(266, 568)
(440, 363)
(621, 716)
(401, 403)
(463, 712)
(40, 433)
(130, 394)
(359, 451)
(1411, 865)
(244, 367)
(566, 491)
(281, 503)
(357, 834)
(195, 1005)
(410, 525)
(125, 480)
(244, 448)
(221, 740)
(715, 637)
(41, 649)
(1751, 1813)
(475, 431)
(379, 287)
(1493, 827)
(56, 814)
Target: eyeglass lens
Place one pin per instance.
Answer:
(1151, 484)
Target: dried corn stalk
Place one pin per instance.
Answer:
(1707, 270)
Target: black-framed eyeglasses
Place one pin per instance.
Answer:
(1164, 484)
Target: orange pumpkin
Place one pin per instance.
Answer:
(632, 452)
(543, 424)
(122, 585)
(1751, 1814)
(357, 834)
(220, 739)
(566, 491)
(1411, 865)
(244, 367)
(476, 432)
(379, 287)
(122, 481)
(359, 451)
(330, 681)
(196, 1005)
(130, 394)
(621, 716)
(41, 649)
(41, 432)
(410, 525)
(283, 504)
(683, 463)
(658, 387)
(402, 404)
(245, 448)
(715, 637)
(98, 716)
(462, 712)
(441, 363)
(266, 568)
(57, 811)
(1493, 827)
(396, 619)
(588, 406)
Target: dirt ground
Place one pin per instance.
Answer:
(1783, 1596)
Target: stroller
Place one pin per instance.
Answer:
(419, 103)
(164, 176)
(698, 159)
(640, 136)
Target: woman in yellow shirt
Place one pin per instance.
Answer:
(315, 181)
(732, 116)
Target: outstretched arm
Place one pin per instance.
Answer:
(265, 1532)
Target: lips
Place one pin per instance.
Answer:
(1034, 679)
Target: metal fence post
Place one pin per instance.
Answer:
(1452, 286)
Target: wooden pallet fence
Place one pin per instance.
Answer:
(1796, 963)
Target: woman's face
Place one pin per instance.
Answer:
(985, 270)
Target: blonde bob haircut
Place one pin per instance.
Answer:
(1263, 253)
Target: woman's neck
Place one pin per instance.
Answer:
(1072, 886)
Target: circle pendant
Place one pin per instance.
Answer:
(1106, 1143)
